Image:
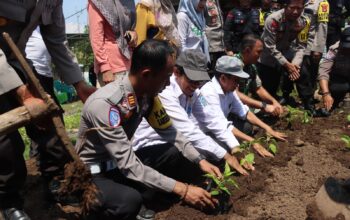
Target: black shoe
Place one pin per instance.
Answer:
(145, 214)
(14, 214)
(321, 112)
(288, 101)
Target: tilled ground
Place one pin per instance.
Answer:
(279, 188)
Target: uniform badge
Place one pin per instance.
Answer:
(323, 12)
(274, 26)
(131, 100)
(114, 117)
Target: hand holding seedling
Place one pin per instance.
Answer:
(261, 150)
(233, 162)
(207, 167)
(198, 197)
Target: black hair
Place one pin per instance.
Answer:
(217, 75)
(248, 40)
(152, 54)
(287, 2)
(180, 69)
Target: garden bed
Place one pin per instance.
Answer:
(279, 188)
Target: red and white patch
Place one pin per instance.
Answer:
(274, 26)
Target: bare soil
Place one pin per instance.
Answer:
(280, 188)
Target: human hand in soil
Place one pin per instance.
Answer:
(278, 109)
(327, 101)
(261, 150)
(269, 108)
(233, 162)
(200, 198)
(207, 167)
(278, 135)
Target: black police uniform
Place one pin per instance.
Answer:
(238, 23)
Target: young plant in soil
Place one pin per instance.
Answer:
(298, 115)
(270, 142)
(220, 189)
(346, 139)
(249, 157)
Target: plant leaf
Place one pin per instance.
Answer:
(250, 158)
(214, 192)
(232, 182)
(346, 139)
(227, 169)
(228, 174)
(348, 118)
(273, 148)
(242, 162)
(225, 190)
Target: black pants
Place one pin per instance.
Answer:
(270, 77)
(12, 166)
(333, 35)
(306, 84)
(121, 198)
(339, 87)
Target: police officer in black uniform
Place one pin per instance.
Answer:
(334, 72)
(336, 20)
(239, 22)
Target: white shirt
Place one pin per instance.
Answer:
(223, 103)
(183, 111)
(36, 52)
(190, 36)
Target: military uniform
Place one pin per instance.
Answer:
(277, 37)
(335, 68)
(251, 84)
(239, 23)
(19, 19)
(336, 20)
(317, 11)
(109, 119)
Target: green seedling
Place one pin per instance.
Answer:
(222, 185)
(348, 118)
(269, 141)
(248, 159)
(295, 114)
(346, 139)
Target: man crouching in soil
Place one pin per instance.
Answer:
(109, 119)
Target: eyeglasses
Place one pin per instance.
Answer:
(195, 82)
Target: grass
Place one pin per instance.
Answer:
(72, 113)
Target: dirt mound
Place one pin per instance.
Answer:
(280, 188)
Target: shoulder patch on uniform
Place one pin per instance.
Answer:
(304, 33)
(202, 100)
(131, 100)
(114, 117)
(274, 25)
(158, 118)
(323, 12)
